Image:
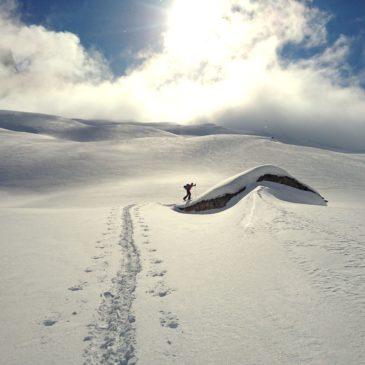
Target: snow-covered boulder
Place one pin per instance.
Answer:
(220, 196)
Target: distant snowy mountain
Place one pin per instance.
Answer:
(98, 130)
(82, 130)
(75, 130)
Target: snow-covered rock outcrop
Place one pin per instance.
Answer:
(221, 195)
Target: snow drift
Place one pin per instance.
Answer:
(231, 190)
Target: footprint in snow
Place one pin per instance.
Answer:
(51, 320)
(156, 261)
(157, 273)
(77, 287)
(169, 320)
(107, 294)
(160, 290)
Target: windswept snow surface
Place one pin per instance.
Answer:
(97, 268)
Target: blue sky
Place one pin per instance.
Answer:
(349, 19)
(121, 28)
(117, 28)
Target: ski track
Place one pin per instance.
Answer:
(112, 336)
(247, 221)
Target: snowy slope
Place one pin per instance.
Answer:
(265, 282)
(99, 130)
(37, 123)
(97, 267)
(75, 130)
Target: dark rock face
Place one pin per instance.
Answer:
(216, 203)
(221, 201)
(285, 180)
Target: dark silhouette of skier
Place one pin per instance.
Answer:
(188, 188)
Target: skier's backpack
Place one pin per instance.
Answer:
(186, 187)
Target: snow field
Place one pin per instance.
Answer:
(97, 266)
(241, 295)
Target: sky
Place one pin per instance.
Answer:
(120, 28)
(117, 28)
(285, 66)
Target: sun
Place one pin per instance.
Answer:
(194, 28)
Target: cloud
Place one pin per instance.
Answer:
(220, 61)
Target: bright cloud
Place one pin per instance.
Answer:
(221, 61)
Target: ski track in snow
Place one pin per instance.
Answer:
(247, 221)
(112, 336)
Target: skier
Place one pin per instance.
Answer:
(188, 188)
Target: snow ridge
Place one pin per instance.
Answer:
(112, 338)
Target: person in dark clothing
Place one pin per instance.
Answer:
(188, 188)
